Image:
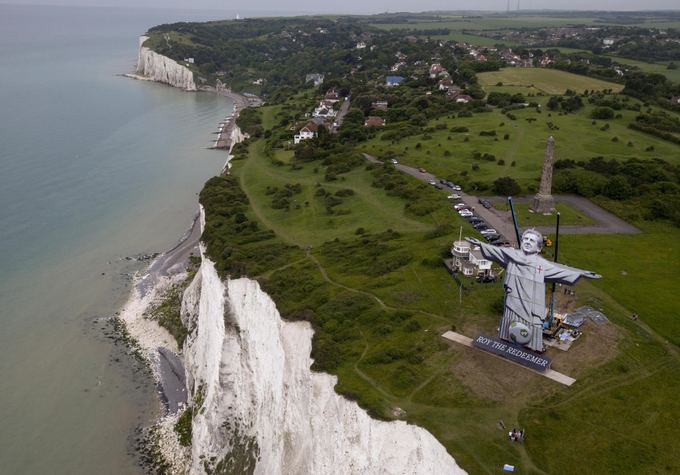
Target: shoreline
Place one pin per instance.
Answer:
(157, 346)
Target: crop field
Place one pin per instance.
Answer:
(452, 154)
(371, 274)
(550, 81)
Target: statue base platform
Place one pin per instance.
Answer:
(543, 204)
(483, 342)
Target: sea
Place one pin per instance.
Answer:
(95, 170)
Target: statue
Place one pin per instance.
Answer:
(526, 274)
(544, 202)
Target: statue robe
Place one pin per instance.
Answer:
(525, 278)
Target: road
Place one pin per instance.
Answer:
(501, 221)
(496, 222)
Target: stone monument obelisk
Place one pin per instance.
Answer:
(543, 201)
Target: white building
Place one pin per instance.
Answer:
(468, 260)
(307, 132)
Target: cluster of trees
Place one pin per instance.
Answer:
(649, 186)
(570, 102)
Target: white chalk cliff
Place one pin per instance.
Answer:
(260, 409)
(157, 67)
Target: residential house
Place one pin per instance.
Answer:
(317, 79)
(463, 99)
(373, 121)
(361, 45)
(309, 131)
(332, 96)
(393, 80)
(469, 260)
(379, 105)
(445, 84)
(435, 69)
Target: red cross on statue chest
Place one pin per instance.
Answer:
(539, 269)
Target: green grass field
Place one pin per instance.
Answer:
(550, 81)
(621, 413)
(568, 215)
(660, 68)
(577, 138)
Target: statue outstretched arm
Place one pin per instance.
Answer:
(494, 253)
(567, 275)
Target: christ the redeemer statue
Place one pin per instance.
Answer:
(525, 278)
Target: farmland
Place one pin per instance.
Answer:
(549, 81)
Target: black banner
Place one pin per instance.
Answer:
(513, 352)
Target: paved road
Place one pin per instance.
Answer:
(340, 117)
(501, 221)
(499, 224)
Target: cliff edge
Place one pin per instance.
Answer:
(159, 68)
(258, 408)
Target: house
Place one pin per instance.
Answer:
(189, 60)
(435, 69)
(379, 105)
(307, 132)
(317, 79)
(469, 260)
(675, 100)
(463, 99)
(373, 121)
(258, 82)
(445, 84)
(393, 80)
(608, 41)
(332, 96)
(361, 45)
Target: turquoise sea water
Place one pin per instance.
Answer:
(93, 168)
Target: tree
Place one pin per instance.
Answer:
(506, 186)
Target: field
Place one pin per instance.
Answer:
(451, 154)
(660, 68)
(525, 218)
(372, 283)
(550, 81)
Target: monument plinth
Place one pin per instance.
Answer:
(544, 203)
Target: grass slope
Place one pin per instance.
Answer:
(379, 299)
(550, 81)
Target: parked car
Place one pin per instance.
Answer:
(491, 237)
(439, 187)
(485, 203)
(422, 170)
(465, 212)
(460, 206)
(432, 182)
(394, 162)
(489, 231)
(476, 219)
(456, 188)
(454, 197)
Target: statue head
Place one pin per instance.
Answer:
(532, 241)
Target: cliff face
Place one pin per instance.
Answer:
(259, 408)
(162, 69)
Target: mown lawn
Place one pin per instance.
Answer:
(550, 81)
(450, 153)
(568, 215)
